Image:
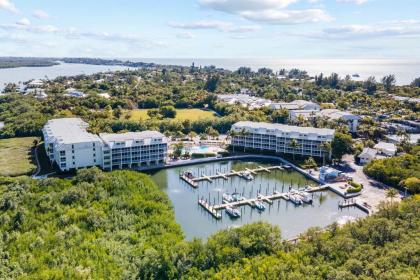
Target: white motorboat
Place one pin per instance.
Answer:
(295, 199)
(259, 205)
(237, 197)
(247, 175)
(304, 196)
(233, 212)
(227, 198)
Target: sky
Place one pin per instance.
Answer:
(211, 28)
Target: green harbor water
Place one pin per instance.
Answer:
(292, 220)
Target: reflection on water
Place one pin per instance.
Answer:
(196, 222)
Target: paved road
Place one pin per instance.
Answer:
(373, 192)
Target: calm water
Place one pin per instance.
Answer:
(292, 220)
(404, 70)
(23, 74)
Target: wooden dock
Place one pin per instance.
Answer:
(354, 203)
(194, 181)
(189, 181)
(268, 199)
(209, 209)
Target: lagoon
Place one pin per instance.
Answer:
(293, 220)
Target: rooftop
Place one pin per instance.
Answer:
(368, 152)
(286, 128)
(130, 136)
(69, 130)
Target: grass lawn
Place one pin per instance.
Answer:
(16, 156)
(181, 114)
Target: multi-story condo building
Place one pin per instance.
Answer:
(278, 138)
(71, 146)
(133, 149)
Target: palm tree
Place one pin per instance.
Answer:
(326, 147)
(294, 144)
(243, 133)
(391, 193)
(232, 134)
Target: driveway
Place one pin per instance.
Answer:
(373, 192)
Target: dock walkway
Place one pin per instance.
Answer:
(194, 181)
(266, 198)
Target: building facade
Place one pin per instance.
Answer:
(69, 144)
(278, 138)
(331, 114)
(133, 149)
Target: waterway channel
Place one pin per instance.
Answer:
(293, 220)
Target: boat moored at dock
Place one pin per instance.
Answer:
(233, 212)
(295, 199)
(304, 196)
(258, 204)
(246, 175)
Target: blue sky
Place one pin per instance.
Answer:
(211, 28)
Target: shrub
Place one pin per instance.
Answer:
(202, 155)
(355, 187)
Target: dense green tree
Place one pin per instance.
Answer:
(388, 82)
(212, 83)
(370, 85)
(167, 112)
(342, 144)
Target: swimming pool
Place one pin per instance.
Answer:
(200, 149)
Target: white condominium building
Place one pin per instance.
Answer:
(133, 149)
(68, 144)
(278, 138)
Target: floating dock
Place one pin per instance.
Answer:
(354, 203)
(203, 203)
(268, 199)
(193, 182)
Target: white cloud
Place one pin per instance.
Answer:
(8, 6)
(245, 5)
(267, 11)
(185, 35)
(399, 29)
(74, 34)
(287, 16)
(215, 25)
(358, 2)
(41, 14)
(23, 22)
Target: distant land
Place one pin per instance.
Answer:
(15, 62)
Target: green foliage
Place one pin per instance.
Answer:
(167, 112)
(401, 171)
(178, 148)
(356, 187)
(97, 226)
(202, 155)
(341, 145)
(383, 246)
(119, 225)
(309, 163)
